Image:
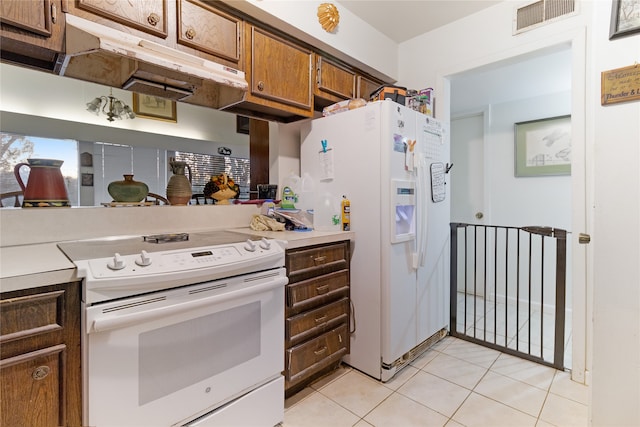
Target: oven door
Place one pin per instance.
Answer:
(168, 357)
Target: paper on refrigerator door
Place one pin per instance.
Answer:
(325, 160)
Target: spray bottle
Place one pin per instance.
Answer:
(346, 214)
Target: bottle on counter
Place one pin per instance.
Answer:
(346, 214)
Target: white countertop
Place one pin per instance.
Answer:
(33, 265)
(298, 239)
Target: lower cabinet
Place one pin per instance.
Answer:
(316, 313)
(40, 371)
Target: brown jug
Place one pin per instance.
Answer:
(179, 186)
(45, 186)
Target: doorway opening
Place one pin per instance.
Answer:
(486, 104)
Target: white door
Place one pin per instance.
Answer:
(467, 181)
(467, 154)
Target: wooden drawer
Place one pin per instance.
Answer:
(31, 315)
(314, 261)
(311, 356)
(317, 291)
(314, 322)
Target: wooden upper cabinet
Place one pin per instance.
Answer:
(149, 16)
(209, 30)
(32, 31)
(334, 82)
(367, 86)
(279, 72)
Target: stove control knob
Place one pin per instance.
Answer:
(117, 263)
(250, 246)
(265, 244)
(144, 259)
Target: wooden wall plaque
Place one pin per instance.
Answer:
(620, 85)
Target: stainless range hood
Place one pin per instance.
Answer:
(101, 54)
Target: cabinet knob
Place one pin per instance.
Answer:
(190, 34)
(153, 19)
(261, 86)
(41, 372)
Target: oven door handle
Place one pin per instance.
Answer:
(120, 321)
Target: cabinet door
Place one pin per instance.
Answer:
(279, 71)
(366, 87)
(149, 16)
(334, 82)
(32, 31)
(32, 387)
(209, 30)
(40, 366)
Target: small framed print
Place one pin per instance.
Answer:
(625, 18)
(87, 179)
(543, 147)
(153, 107)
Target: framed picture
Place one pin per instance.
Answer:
(153, 107)
(242, 124)
(87, 179)
(543, 147)
(625, 18)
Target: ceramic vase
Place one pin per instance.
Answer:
(179, 186)
(128, 190)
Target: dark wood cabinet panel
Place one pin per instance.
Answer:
(316, 260)
(32, 387)
(40, 357)
(32, 32)
(317, 290)
(312, 322)
(149, 16)
(317, 312)
(316, 354)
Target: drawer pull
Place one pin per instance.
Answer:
(41, 373)
(321, 319)
(319, 260)
(322, 289)
(190, 34)
(321, 351)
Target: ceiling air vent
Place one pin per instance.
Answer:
(535, 14)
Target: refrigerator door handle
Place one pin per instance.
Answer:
(421, 191)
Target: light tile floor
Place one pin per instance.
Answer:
(454, 383)
(514, 326)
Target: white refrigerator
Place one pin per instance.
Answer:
(392, 163)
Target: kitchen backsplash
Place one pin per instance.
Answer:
(44, 225)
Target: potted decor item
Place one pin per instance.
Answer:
(221, 188)
(45, 186)
(179, 186)
(128, 190)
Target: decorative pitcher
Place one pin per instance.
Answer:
(179, 186)
(45, 186)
